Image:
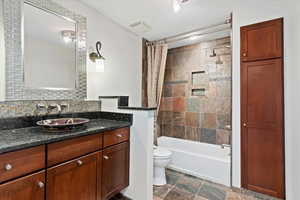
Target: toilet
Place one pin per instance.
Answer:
(161, 158)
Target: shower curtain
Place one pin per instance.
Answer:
(156, 63)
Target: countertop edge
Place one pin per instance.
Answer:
(67, 137)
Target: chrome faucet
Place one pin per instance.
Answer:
(53, 106)
(41, 106)
(223, 146)
(64, 106)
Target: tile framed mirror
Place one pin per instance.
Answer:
(45, 51)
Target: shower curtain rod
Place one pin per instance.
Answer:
(197, 32)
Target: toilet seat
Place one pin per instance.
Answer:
(159, 152)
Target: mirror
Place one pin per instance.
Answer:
(49, 50)
(45, 51)
(2, 55)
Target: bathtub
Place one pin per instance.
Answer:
(206, 161)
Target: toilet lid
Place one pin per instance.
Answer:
(161, 152)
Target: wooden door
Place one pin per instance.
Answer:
(262, 41)
(26, 188)
(76, 179)
(115, 170)
(262, 127)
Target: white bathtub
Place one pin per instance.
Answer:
(202, 160)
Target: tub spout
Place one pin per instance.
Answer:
(223, 146)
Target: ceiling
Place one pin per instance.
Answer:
(160, 16)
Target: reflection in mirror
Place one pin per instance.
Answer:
(2, 55)
(49, 50)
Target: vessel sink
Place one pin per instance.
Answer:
(62, 123)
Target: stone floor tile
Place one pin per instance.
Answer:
(177, 194)
(200, 198)
(162, 191)
(233, 196)
(189, 184)
(157, 198)
(212, 192)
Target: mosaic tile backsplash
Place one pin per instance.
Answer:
(11, 109)
(196, 102)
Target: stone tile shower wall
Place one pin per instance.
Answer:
(196, 102)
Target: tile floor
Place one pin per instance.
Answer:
(185, 187)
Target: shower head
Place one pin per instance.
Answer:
(213, 54)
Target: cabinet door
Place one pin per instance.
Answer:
(262, 41)
(26, 188)
(76, 179)
(262, 127)
(115, 170)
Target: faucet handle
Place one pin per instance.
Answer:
(53, 106)
(64, 105)
(41, 106)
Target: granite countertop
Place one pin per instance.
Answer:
(16, 139)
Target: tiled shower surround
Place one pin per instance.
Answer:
(196, 102)
(11, 109)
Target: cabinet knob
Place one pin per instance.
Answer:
(244, 125)
(244, 54)
(119, 135)
(8, 167)
(41, 184)
(79, 162)
(106, 157)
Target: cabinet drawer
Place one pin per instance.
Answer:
(115, 137)
(18, 163)
(31, 187)
(66, 150)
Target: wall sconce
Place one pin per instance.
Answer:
(97, 58)
(68, 36)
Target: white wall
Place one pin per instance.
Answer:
(122, 51)
(2, 55)
(141, 151)
(249, 12)
(292, 99)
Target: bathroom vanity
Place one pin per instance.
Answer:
(91, 164)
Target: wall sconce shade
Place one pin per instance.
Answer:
(97, 58)
(97, 55)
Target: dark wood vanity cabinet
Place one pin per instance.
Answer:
(81, 168)
(76, 179)
(115, 169)
(30, 187)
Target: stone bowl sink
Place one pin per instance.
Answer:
(62, 124)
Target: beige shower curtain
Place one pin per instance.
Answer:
(156, 59)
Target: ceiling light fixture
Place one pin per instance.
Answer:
(177, 4)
